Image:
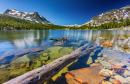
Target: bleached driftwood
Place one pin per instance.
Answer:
(42, 74)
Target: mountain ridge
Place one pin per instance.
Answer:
(106, 17)
(27, 16)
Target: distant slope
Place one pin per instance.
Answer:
(117, 15)
(27, 16)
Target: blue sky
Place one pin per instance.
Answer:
(64, 12)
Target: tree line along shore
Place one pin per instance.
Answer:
(12, 23)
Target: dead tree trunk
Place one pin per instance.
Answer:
(42, 74)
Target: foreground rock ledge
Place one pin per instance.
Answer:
(46, 72)
(85, 76)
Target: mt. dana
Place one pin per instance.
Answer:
(27, 16)
(117, 15)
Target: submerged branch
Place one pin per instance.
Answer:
(42, 74)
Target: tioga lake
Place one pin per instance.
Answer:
(25, 50)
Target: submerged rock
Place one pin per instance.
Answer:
(36, 49)
(57, 51)
(94, 64)
(28, 64)
(126, 73)
(21, 60)
(107, 44)
(122, 80)
(114, 81)
(22, 65)
(122, 37)
(85, 76)
(65, 50)
(59, 43)
(105, 64)
(39, 63)
(106, 82)
(22, 52)
(105, 72)
(89, 60)
(4, 66)
(17, 72)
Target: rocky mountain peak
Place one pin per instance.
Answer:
(27, 16)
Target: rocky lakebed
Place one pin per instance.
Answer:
(109, 63)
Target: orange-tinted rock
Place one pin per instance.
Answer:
(107, 44)
(122, 38)
(22, 52)
(85, 76)
(114, 81)
(36, 49)
(119, 69)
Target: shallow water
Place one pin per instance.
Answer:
(25, 50)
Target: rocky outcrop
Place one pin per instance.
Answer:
(109, 16)
(85, 76)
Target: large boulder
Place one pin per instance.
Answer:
(85, 76)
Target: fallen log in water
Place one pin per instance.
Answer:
(42, 74)
(62, 38)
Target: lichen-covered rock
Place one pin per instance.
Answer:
(21, 60)
(105, 72)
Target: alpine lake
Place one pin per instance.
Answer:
(24, 50)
